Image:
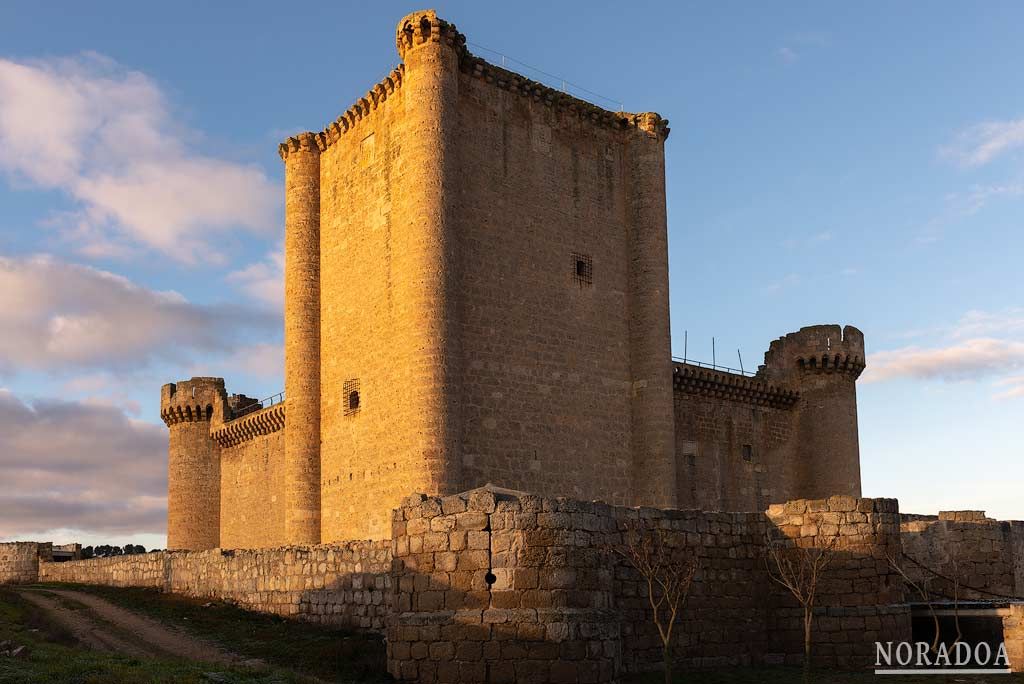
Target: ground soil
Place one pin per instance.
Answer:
(100, 625)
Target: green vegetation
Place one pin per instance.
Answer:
(295, 652)
(330, 653)
(55, 658)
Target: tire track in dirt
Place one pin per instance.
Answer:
(103, 626)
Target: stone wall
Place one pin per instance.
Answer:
(861, 598)
(19, 561)
(965, 553)
(735, 446)
(501, 586)
(341, 584)
(252, 492)
(1013, 636)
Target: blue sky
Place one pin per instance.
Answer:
(828, 163)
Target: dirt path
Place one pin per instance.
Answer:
(101, 625)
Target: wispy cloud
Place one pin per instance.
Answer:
(75, 463)
(979, 196)
(982, 143)
(798, 43)
(263, 280)
(784, 283)
(976, 322)
(106, 136)
(1014, 387)
(61, 316)
(787, 54)
(971, 359)
(981, 345)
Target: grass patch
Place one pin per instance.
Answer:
(330, 653)
(56, 658)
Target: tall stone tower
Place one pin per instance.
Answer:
(493, 293)
(193, 466)
(822, 362)
(302, 339)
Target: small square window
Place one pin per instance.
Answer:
(350, 390)
(583, 268)
(748, 452)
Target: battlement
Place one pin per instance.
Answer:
(305, 142)
(423, 27)
(817, 348)
(249, 426)
(730, 386)
(192, 400)
(418, 28)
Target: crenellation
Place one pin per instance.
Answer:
(470, 342)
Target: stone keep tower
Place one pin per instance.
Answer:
(193, 465)
(822, 362)
(476, 291)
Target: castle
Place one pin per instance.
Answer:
(476, 291)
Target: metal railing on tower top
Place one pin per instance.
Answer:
(261, 404)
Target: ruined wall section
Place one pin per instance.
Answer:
(252, 479)
(735, 440)
(959, 552)
(502, 586)
(339, 584)
(19, 561)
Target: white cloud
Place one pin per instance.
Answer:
(1014, 388)
(976, 322)
(261, 360)
(57, 315)
(263, 280)
(75, 464)
(787, 54)
(106, 136)
(970, 359)
(788, 281)
(982, 143)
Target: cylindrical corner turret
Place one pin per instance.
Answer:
(823, 363)
(301, 155)
(653, 418)
(424, 28)
(193, 463)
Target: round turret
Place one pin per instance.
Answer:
(301, 155)
(822, 363)
(193, 463)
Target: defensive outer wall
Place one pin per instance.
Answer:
(493, 585)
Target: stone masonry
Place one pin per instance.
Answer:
(965, 555)
(485, 258)
(494, 585)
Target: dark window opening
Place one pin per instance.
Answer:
(583, 269)
(748, 452)
(352, 398)
(490, 578)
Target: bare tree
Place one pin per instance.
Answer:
(923, 589)
(799, 569)
(668, 571)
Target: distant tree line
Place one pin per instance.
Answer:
(106, 550)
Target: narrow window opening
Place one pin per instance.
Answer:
(583, 269)
(353, 400)
(748, 452)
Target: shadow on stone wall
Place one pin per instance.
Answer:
(501, 586)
